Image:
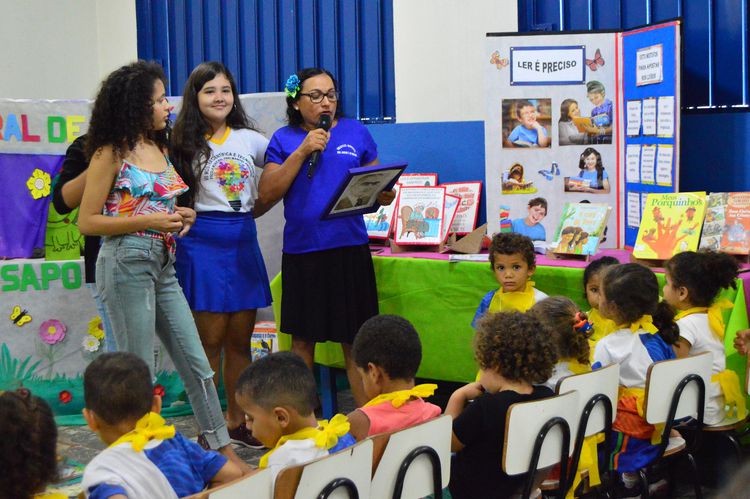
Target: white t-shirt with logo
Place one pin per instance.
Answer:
(229, 179)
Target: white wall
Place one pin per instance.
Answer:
(56, 49)
(439, 56)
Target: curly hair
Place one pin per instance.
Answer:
(293, 116)
(511, 243)
(704, 274)
(279, 379)
(558, 314)
(188, 145)
(391, 343)
(516, 345)
(28, 447)
(123, 109)
(634, 292)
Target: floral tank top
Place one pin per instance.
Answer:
(141, 192)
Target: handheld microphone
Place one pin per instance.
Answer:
(324, 122)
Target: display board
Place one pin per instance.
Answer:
(556, 126)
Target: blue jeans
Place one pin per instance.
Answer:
(136, 280)
(109, 339)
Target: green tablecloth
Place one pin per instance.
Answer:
(440, 298)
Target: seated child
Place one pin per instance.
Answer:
(531, 225)
(564, 321)
(513, 261)
(27, 449)
(592, 283)
(278, 394)
(514, 352)
(530, 132)
(387, 353)
(693, 282)
(630, 297)
(144, 457)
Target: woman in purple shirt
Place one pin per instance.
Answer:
(328, 281)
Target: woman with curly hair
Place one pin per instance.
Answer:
(27, 449)
(130, 200)
(515, 353)
(220, 155)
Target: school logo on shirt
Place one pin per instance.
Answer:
(347, 149)
(231, 172)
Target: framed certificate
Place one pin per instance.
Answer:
(358, 193)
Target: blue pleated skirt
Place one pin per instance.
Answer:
(220, 266)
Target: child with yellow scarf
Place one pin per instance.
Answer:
(513, 261)
(693, 283)
(144, 457)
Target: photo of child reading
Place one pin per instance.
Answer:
(526, 123)
(592, 177)
(601, 114)
(570, 129)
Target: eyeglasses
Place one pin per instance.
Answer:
(316, 97)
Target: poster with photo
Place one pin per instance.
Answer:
(563, 111)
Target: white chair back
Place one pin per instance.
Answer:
(523, 423)
(662, 380)
(354, 463)
(605, 381)
(257, 486)
(435, 433)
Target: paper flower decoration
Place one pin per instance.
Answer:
(159, 390)
(291, 87)
(96, 328)
(52, 331)
(39, 184)
(90, 344)
(65, 396)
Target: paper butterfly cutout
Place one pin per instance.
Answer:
(598, 60)
(499, 62)
(19, 316)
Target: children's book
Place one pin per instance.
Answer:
(468, 209)
(578, 182)
(263, 340)
(418, 179)
(380, 223)
(670, 224)
(420, 216)
(735, 236)
(581, 228)
(713, 225)
(452, 204)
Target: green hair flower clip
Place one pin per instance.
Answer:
(291, 87)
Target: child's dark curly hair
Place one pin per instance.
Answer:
(516, 345)
(510, 243)
(704, 274)
(391, 343)
(27, 446)
(558, 314)
(123, 109)
(634, 292)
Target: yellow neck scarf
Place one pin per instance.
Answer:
(575, 366)
(513, 300)
(646, 323)
(602, 326)
(715, 316)
(734, 399)
(325, 436)
(149, 427)
(401, 397)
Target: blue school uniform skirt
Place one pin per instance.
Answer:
(219, 264)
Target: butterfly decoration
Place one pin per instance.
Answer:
(499, 62)
(597, 61)
(20, 316)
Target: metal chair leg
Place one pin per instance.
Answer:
(644, 483)
(696, 479)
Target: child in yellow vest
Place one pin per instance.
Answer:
(387, 352)
(592, 284)
(278, 394)
(513, 261)
(693, 283)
